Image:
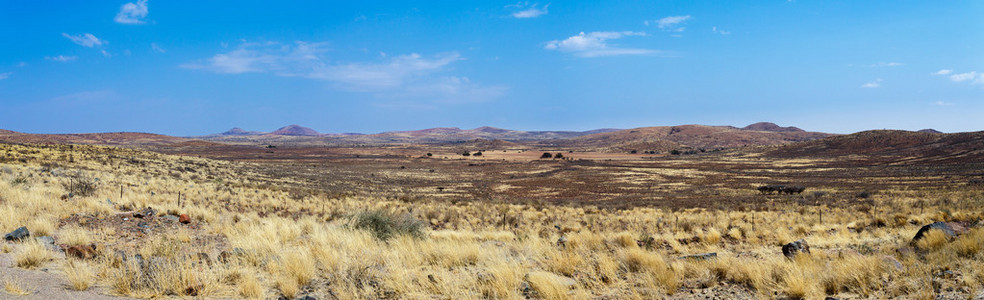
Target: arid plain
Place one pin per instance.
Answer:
(681, 212)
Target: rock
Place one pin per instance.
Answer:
(792, 249)
(193, 290)
(890, 260)
(950, 229)
(307, 298)
(225, 256)
(48, 242)
(142, 224)
(83, 251)
(525, 288)
(704, 256)
(18, 234)
(184, 219)
(146, 213)
(170, 218)
(562, 241)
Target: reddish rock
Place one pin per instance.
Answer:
(184, 219)
(81, 251)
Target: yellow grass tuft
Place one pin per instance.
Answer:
(249, 286)
(32, 254)
(74, 235)
(933, 240)
(79, 274)
(548, 285)
(13, 287)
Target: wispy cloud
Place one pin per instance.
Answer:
(132, 13)
(964, 76)
(400, 76)
(874, 84)
(157, 48)
(885, 64)
(671, 23)
(85, 39)
(972, 77)
(5, 75)
(719, 31)
(525, 10)
(942, 103)
(596, 44)
(61, 58)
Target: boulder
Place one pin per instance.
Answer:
(170, 218)
(48, 242)
(82, 251)
(892, 261)
(950, 229)
(146, 213)
(792, 249)
(184, 219)
(18, 234)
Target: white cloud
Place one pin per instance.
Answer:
(85, 40)
(61, 58)
(105, 53)
(963, 76)
(5, 75)
(595, 44)
(525, 10)
(718, 31)
(886, 64)
(972, 77)
(157, 48)
(671, 23)
(873, 84)
(943, 103)
(393, 76)
(132, 13)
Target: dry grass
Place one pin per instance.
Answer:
(248, 286)
(13, 287)
(74, 235)
(80, 275)
(32, 254)
(287, 244)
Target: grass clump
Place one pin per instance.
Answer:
(80, 275)
(384, 225)
(13, 287)
(31, 255)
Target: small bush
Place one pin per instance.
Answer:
(81, 185)
(384, 225)
(546, 155)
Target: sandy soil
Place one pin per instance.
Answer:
(46, 283)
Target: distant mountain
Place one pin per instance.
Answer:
(236, 131)
(105, 138)
(297, 135)
(667, 138)
(295, 130)
(772, 127)
(930, 130)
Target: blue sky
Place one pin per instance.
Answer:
(199, 67)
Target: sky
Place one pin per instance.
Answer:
(198, 67)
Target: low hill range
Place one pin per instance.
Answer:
(891, 146)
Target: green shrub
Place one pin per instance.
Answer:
(385, 225)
